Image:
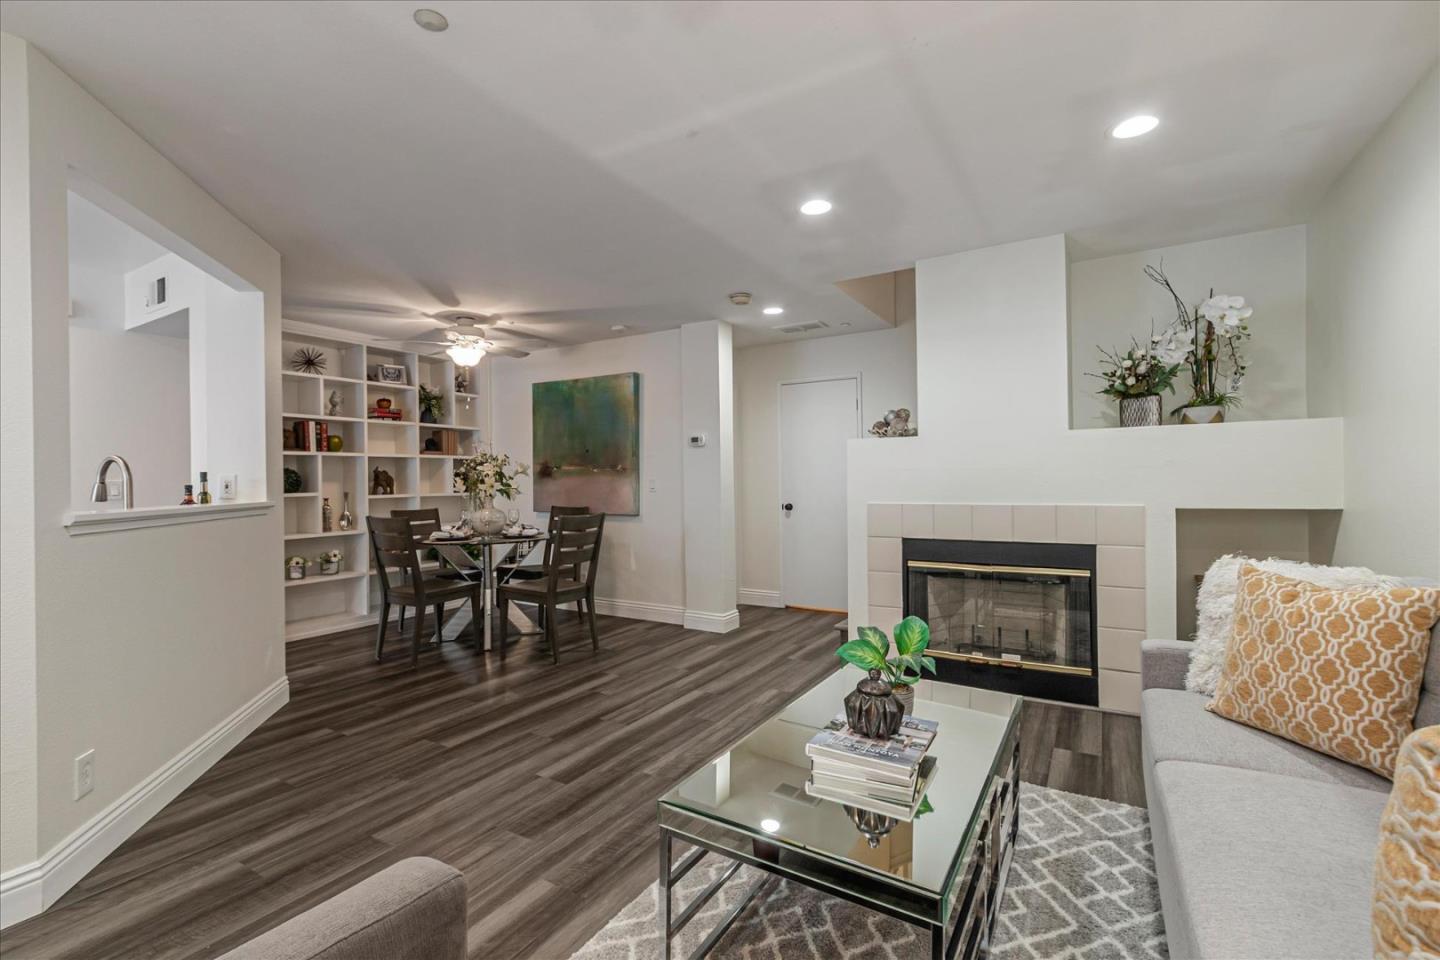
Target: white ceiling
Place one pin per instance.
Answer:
(578, 165)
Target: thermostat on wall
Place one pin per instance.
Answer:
(697, 439)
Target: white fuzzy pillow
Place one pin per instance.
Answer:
(1215, 606)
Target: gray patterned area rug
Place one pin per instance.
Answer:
(1082, 886)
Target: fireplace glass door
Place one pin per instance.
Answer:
(1035, 617)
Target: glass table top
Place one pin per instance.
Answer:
(757, 786)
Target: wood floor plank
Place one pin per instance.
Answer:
(537, 782)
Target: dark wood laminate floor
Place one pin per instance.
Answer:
(537, 782)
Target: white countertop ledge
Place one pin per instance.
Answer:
(84, 522)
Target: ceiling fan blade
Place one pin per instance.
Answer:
(516, 334)
(500, 351)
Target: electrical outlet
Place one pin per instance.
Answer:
(115, 489)
(84, 773)
(652, 486)
(228, 485)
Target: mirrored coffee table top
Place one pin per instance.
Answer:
(758, 786)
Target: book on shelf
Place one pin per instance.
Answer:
(868, 797)
(896, 759)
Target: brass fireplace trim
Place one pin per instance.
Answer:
(994, 568)
(1013, 664)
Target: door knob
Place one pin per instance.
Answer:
(787, 507)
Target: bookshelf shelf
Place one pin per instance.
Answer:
(349, 600)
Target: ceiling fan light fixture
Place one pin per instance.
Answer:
(466, 352)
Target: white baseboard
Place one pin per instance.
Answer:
(760, 598)
(639, 610)
(712, 622)
(30, 889)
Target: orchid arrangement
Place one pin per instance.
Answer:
(491, 475)
(1212, 335)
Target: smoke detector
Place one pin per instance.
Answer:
(740, 299)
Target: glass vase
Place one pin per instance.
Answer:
(485, 518)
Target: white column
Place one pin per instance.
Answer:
(707, 398)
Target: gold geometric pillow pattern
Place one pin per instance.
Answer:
(1338, 671)
(1405, 916)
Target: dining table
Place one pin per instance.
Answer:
(452, 551)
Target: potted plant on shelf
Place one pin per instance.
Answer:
(1212, 334)
(870, 651)
(295, 568)
(432, 405)
(484, 477)
(1137, 377)
(330, 562)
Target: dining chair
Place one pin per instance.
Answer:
(573, 550)
(393, 541)
(517, 570)
(422, 524)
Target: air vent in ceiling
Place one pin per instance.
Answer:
(803, 327)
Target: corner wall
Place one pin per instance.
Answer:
(159, 647)
(1374, 294)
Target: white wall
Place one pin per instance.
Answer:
(131, 392)
(1111, 300)
(642, 572)
(1375, 338)
(990, 319)
(177, 648)
(885, 361)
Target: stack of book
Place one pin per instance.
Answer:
(885, 776)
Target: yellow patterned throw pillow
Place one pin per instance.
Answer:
(1338, 671)
(1405, 919)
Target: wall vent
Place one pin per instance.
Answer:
(803, 327)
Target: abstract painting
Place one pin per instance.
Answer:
(587, 443)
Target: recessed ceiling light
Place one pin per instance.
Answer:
(1134, 127)
(617, 327)
(815, 207)
(773, 311)
(769, 825)
(432, 20)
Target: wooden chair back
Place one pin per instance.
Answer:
(574, 543)
(393, 541)
(422, 522)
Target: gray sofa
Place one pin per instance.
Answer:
(412, 910)
(1263, 847)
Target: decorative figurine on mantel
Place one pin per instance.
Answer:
(895, 424)
(381, 483)
(337, 402)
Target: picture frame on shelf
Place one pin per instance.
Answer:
(391, 373)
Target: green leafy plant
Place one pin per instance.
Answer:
(870, 650)
(432, 402)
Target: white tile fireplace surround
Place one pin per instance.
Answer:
(1117, 532)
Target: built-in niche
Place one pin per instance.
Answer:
(1111, 300)
(166, 368)
(1202, 536)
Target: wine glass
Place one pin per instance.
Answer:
(512, 518)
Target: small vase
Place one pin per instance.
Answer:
(872, 710)
(426, 416)
(295, 571)
(1213, 413)
(329, 567)
(1140, 411)
(485, 519)
(906, 695)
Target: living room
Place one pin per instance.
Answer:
(428, 492)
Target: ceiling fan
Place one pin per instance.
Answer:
(466, 337)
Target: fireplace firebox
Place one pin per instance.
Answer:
(1016, 617)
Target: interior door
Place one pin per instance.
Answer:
(816, 418)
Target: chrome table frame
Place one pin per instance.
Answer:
(959, 929)
(487, 547)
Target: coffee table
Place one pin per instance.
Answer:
(944, 871)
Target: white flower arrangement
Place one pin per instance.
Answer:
(331, 556)
(1206, 340)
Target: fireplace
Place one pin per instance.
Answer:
(1017, 617)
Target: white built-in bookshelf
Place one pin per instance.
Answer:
(323, 603)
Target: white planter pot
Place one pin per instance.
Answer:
(328, 568)
(1210, 414)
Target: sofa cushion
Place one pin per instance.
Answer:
(1266, 865)
(1406, 918)
(1176, 726)
(1335, 670)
